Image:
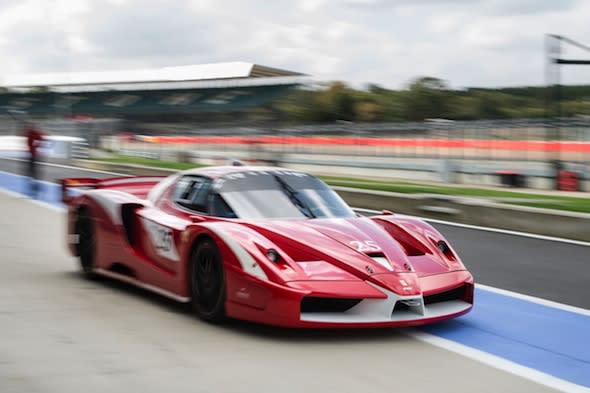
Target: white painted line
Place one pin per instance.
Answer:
(14, 194)
(498, 362)
(532, 299)
(487, 229)
(33, 201)
(509, 232)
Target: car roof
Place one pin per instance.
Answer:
(215, 172)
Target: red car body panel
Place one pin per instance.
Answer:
(376, 263)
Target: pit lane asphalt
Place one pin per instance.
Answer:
(547, 269)
(63, 333)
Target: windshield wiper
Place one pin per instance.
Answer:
(293, 195)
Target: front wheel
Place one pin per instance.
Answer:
(207, 282)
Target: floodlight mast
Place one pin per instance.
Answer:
(553, 93)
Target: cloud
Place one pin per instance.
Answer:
(529, 7)
(159, 32)
(389, 42)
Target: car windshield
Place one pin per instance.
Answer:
(279, 195)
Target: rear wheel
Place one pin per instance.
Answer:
(86, 241)
(207, 282)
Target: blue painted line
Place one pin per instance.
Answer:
(46, 192)
(547, 339)
(543, 338)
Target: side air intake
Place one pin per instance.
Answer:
(459, 293)
(312, 304)
(129, 220)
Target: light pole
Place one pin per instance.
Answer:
(553, 93)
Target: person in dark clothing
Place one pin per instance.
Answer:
(34, 139)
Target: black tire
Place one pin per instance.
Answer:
(86, 241)
(207, 282)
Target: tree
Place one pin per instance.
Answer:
(367, 112)
(39, 89)
(427, 97)
(424, 98)
(339, 101)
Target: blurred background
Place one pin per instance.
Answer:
(341, 93)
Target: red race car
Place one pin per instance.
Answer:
(265, 244)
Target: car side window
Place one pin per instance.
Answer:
(192, 192)
(220, 208)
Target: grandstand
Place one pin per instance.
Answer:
(192, 90)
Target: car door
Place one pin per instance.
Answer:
(162, 231)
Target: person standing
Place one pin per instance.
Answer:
(34, 139)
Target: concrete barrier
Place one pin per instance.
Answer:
(471, 211)
(474, 211)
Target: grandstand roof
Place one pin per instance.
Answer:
(222, 75)
(221, 87)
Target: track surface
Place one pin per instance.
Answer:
(546, 269)
(62, 333)
(549, 270)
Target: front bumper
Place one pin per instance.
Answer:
(413, 310)
(378, 307)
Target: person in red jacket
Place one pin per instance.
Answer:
(34, 139)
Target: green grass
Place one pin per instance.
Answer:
(575, 204)
(557, 202)
(417, 188)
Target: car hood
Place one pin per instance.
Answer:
(360, 247)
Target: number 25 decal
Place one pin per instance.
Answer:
(364, 245)
(164, 238)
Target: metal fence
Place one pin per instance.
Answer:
(515, 140)
(465, 152)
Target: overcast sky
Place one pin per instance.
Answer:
(388, 42)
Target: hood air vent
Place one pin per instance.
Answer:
(381, 260)
(412, 246)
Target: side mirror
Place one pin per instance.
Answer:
(386, 212)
